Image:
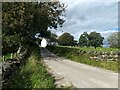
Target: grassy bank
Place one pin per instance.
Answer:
(71, 53)
(33, 74)
(98, 49)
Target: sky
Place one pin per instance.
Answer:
(96, 15)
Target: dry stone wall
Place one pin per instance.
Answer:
(97, 55)
(10, 66)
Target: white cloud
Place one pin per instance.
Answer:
(90, 16)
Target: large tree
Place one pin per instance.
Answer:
(53, 37)
(66, 39)
(114, 40)
(84, 39)
(95, 39)
(22, 20)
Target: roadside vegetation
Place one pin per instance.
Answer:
(33, 74)
(72, 54)
(98, 49)
(6, 56)
(21, 23)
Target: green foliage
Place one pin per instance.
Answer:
(72, 54)
(114, 40)
(53, 37)
(98, 49)
(66, 39)
(6, 56)
(33, 74)
(9, 44)
(83, 40)
(21, 21)
(95, 39)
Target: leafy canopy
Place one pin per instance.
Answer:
(93, 39)
(22, 20)
(83, 40)
(66, 39)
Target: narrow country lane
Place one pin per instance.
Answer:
(81, 75)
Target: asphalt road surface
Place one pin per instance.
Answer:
(81, 75)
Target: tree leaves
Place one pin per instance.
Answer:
(95, 39)
(66, 39)
(24, 19)
(92, 39)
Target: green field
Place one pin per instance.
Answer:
(98, 49)
(72, 54)
(33, 74)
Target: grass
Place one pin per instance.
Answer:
(71, 53)
(7, 56)
(98, 49)
(33, 74)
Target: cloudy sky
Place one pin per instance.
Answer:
(100, 16)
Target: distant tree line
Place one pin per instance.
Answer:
(93, 39)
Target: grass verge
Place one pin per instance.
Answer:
(33, 74)
(98, 49)
(6, 56)
(71, 53)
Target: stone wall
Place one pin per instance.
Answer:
(97, 55)
(10, 66)
(105, 56)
